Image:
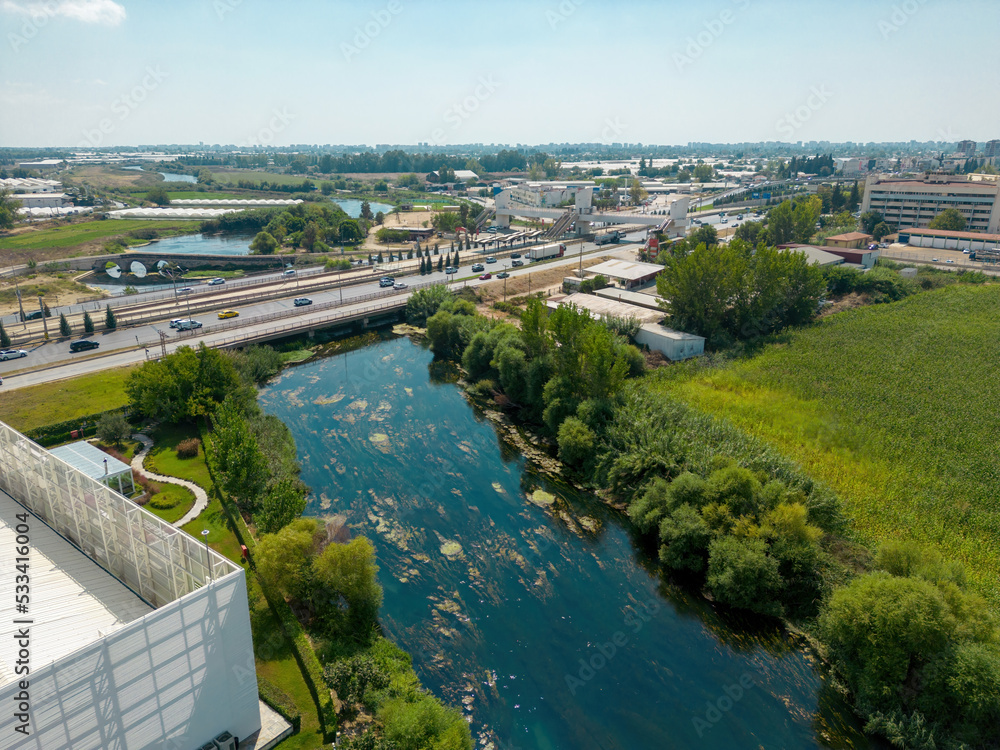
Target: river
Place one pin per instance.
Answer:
(545, 621)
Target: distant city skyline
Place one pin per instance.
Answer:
(88, 73)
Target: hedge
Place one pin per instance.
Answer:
(53, 434)
(281, 702)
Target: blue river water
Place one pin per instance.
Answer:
(537, 614)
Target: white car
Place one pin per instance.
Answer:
(12, 354)
(399, 285)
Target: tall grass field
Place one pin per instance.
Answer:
(897, 407)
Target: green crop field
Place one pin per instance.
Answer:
(88, 231)
(196, 195)
(281, 179)
(895, 406)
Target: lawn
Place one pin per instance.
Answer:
(163, 459)
(894, 406)
(49, 403)
(171, 503)
(201, 196)
(70, 235)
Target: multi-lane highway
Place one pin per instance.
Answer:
(53, 360)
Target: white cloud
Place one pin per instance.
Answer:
(106, 12)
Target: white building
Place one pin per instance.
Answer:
(915, 203)
(138, 635)
(42, 200)
(30, 185)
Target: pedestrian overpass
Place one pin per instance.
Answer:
(674, 222)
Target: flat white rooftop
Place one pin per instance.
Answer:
(599, 306)
(73, 601)
(623, 269)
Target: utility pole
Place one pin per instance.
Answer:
(163, 343)
(17, 291)
(45, 323)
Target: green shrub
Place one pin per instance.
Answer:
(280, 701)
(188, 448)
(576, 442)
(424, 723)
(353, 679)
(742, 574)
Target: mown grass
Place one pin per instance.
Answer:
(231, 178)
(48, 403)
(70, 235)
(894, 406)
(162, 458)
(180, 499)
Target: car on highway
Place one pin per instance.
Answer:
(216, 281)
(491, 230)
(228, 314)
(515, 255)
(188, 325)
(517, 262)
(491, 259)
(289, 272)
(935, 260)
(302, 301)
(478, 267)
(399, 285)
(175, 322)
(503, 275)
(451, 269)
(185, 290)
(12, 354)
(386, 281)
(33, 315)
(82, 346)
(949, 261)
(486, 276)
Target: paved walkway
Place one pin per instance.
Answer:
(200, 497)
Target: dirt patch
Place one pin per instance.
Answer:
(57, 290)
(847, 302)
(546, 279)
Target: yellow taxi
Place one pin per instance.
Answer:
(228, 314)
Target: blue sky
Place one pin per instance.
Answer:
(125, 72)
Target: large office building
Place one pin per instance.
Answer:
(136, 635)
(915, 203)
(967, 147)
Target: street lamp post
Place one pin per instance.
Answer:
(208, 556)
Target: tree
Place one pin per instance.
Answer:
(263, 244)
(350, 232)
(205, 176)
(282, 504)
(349, 571)
(951, 220)
(781, 223)
(636, 192)
(184, 385)
(869, 220)
(440, 264)
(113, 428)
(284, 558)
(703, 173)
(64, 329)
(8, 209)
(807, 212)
(366, 211)
(110, 322)
(379, 218)
(424, 303)
(308, 238)
(241, 463)
(88, 324)
(741, 574)
(4, 338)
(158, 195)
(705, 235)
(576, 442)
(880, 230)
(854, 199)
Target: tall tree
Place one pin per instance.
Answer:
(241, 463)
(110, 322)
(64, 329)
(88, 323)
(854, 199)
(951, 219)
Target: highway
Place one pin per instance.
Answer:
(53, 360)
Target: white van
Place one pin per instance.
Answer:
(188, 325)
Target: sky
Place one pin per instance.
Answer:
(79, 73)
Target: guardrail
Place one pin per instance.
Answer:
(305, 324)
(236, 323)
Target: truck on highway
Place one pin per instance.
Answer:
(555, 250)
(605, 239)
